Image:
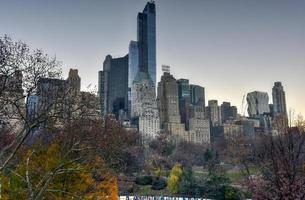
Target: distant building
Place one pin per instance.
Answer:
(74, 81)
(197, 95)
(11, 91)
(258, 103)
(213, 113)
(147, 40)
(101, 92)
(199, 127)
(228, 112)
(168, 104)
(113, 86)
(133, 62)
(144, 110)
(50, 91)
(279, 99)
(32, 107)
(184, 100)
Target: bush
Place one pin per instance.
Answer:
(144, 180)
(158, 184)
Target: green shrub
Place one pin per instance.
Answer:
(158, 184)
(144, 180)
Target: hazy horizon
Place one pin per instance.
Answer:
(229, 47)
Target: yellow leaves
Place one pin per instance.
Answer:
(107, 189)
(174, 179)
(64, 176)
(4, 187)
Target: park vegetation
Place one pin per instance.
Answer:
(68, 151)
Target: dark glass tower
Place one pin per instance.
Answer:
(147, 40)
(113, 85)
(197, 95)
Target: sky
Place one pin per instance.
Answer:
(231, 47)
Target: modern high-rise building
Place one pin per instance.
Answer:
(184, 100)
(183, 88)
(258, 103)
(114, 81)
(279, 99)
(133, 62)
(197, 95)
(146, 35)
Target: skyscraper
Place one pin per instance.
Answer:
(133, 62)
(168, 104)
(184, 100)
(258, 103)
(146, 35)
(279, 99)
(114, 80)
(197, 95)
(144, 111)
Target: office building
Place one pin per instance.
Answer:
(168, 104)
(258, 103)
(113, 86)
(228, 112)
(146, 35)
(197, 95)
(213, 113)
(279, 99)
(144, 110)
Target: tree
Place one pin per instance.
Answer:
(51, 172)
(187, 185)
(188, 153)
(20, 72)
(174, 179)
(279, 160)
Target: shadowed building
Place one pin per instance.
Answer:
(279, 99)
(197, 95)
(228, 112)
(184, 100)
(113, 86)
(146, 35)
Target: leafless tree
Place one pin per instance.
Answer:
(278, 159)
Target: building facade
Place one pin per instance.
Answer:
(258, 103)
(199, 127)
(228, 112)
(113, 86)
(146, 35)
(213, 113)
(144, 110)
(168, 104)
(279, 99)
(197, 95)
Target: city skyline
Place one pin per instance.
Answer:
(212, 58)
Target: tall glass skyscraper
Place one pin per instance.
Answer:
(133, 62)
(146, 35)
